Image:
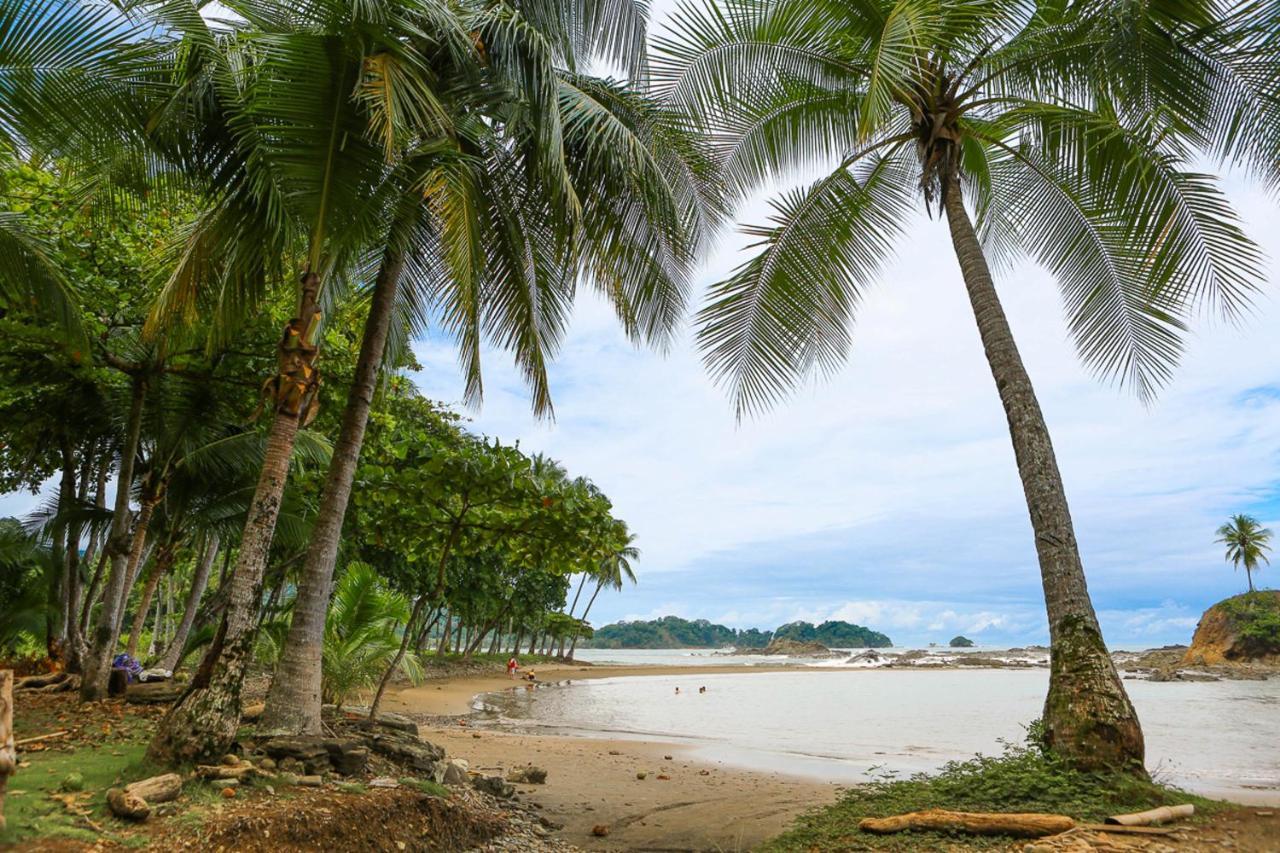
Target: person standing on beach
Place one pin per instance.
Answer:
(512, 666)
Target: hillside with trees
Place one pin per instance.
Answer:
(672, 632)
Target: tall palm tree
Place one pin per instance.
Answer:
(1247, 542)
(1067, 129)
(285, 117)
(612, 570)
(582, 176)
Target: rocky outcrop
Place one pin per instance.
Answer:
(795, 649)
(1239, 630)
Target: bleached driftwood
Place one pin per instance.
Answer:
(37, 738)
(8, 752)
(1025, 825)
(1151, 817)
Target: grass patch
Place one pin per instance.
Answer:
(31, 812)
(351, 787)
(426, 786)
(1023, 779)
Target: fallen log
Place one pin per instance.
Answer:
(225, 771)
(126, 805)
(33, 681)
(153, 692)
(1026, 825)
(157, 789)
(1151, 817)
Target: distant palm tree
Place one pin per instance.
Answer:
(614, 568)
(1060, 132)
(1247, 542)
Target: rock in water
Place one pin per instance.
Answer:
(1241, 629)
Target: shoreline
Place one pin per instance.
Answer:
(682, 803)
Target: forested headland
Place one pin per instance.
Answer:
(672, 632)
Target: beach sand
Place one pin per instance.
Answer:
(700, 806)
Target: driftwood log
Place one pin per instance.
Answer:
(126, 805)
(225, 771)
(157, 789)
(8, 752)
(1151, 817)
(153, 692)
(31, 682)
(1028, 825)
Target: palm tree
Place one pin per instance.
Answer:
(1067, 129)
(612, 570)
(285, 117)
(594, 180)
(1247, 542)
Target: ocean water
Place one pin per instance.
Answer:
(847, 724)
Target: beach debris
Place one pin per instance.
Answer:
(1265, 814)
(127, 806)
(384, 782)
(704, 772)
(600, 830)
(664, 777)
(1151, 817)
(1020, 825)
(71, 782)
(229, 792)
(225, 771)
(615, 752)
(640, 774)
(529, 774)
(310, 781)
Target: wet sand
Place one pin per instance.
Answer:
(699, 806)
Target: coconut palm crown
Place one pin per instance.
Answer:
(1247, 542)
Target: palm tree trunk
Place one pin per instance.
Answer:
(139, 557)
(169, 660)
(395, 663)
(164, 561)
(97, 663)
(1248, 573)
(1088, 717)
(203, 722)
(293, 702)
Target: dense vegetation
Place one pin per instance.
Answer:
(1256, 618)
(672, 632)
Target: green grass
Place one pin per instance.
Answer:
(29, 810)
(1023, 779)
(426, 786)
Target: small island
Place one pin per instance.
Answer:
(960, 642)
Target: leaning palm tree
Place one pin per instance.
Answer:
(565, 176)
(613, 569)
(284, 118)
(1066, 130)
(1247, 542)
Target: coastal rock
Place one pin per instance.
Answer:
(795, 649)
(494, 785)
(456, 772)
(1241, 629)
(410, 751)
(528, 775)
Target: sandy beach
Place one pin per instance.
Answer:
(699, 806)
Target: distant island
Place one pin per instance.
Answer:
(672, 632)
(960, 641)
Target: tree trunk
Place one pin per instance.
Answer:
(574, 645)
(293, 702)
(169, 660)
(395, 663)
(97, 663)
(139, 557)
(8, 754)
(1248, 573)
(203, 722)
(443, 648)
(1088, 718)
(164, 561)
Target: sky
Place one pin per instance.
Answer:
(887, 494)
